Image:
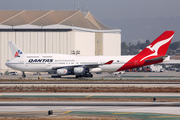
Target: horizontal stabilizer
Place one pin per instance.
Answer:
(109, 62)
(156, 59)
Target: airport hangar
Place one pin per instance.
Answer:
(54, 31)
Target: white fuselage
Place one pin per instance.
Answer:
(45, 62)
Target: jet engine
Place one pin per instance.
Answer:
(79, 70)
(62, 71)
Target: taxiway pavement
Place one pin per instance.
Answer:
(91, 85)
(166, 75)
(95, 94)
(146, 110)
(91, 95)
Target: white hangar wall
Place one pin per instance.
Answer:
(85, 42)
(4, 50)
(91, 43)
(112, 44)
(59, 42)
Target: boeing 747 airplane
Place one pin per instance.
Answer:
(83, 66)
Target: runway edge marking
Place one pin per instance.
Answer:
(124, 113)
(67, 112)
(163, 116)
(89, 96)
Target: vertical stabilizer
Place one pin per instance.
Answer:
(158, 47)
(16, 51)
(154, 53)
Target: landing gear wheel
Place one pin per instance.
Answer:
(91, 75)
(56, 76)
(86, 75)
(23, 75)
(77, 76)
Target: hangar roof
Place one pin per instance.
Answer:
(47, 19)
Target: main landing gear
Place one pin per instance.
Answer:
(84, 75)
(53, 76)
(23, 75)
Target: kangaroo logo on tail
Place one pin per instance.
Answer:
(150, 47)
(154, 48)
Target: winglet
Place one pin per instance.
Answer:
(109, 62)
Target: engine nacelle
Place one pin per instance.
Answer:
(79, 70)
(62, 71)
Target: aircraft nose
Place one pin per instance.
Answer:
(7, 64)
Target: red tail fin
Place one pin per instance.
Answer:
(157, 49)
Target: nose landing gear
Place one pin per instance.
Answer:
(23, 75)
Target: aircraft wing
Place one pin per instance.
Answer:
(96, 65)
(85, 66)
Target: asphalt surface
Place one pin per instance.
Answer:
(91, 95)
(88, 82)
(142, 110)
(95, 94)
(166, 75)
(91, 85)
(73, 103)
